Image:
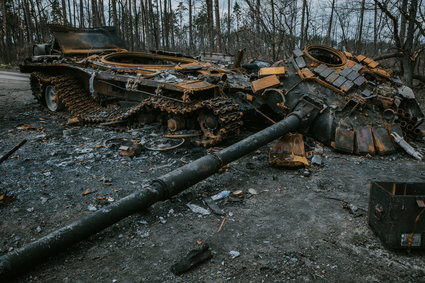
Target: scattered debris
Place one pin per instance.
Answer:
(134, 150)
(91, 207)
(192, 259)
(234, 254)
(221, 224)
(407, 147)
(197, 209)
(5, 199)
(9, 153)
(288, 151)
(88, 191)
(165, 146)
(73, 121)
(352, 209)
(213, 206)
(252, 191)
(106, 181)
(221, 195)
(27, 127)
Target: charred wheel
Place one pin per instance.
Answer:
(220, 117)
(53, 103)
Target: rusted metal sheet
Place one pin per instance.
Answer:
(196, 85)
(383, 141)
(306, 73)
(344, 139)
(364, 141)
(278, 71)
(266, 82)
(367, 60)
(350, 64)
(288, 151)
(373, 64)
(348, 54)
(360, 57)
(382, 72)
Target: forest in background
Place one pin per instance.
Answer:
(383, 29)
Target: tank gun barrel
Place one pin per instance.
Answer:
(160, 189)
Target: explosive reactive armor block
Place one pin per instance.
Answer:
(396, 214)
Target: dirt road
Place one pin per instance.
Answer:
(288, 226)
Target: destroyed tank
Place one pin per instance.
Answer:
(88, 72)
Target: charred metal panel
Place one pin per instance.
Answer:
(339, 81)
(298, 52)
(396, 214)
(347, 85)
(300, 62)
(344, 139)
(332, 77)
(383, 141)
(83, 41)
(364, 141)
(288, 151)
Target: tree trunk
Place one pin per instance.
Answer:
(69, 12)
(114, 15)
(101, 13)
(64, 18)
(82, 25)
(217, 26)
(328, 34)
(403, 21)
(360, 28)
(95, 14)
(303, 21)
(375, 29)
(191, 28)
(408, 63)
(136, 26)
(210, 24)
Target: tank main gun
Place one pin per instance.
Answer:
(159, 190)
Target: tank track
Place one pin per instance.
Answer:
(87, 109)
(226, 111)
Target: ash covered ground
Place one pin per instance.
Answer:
(287, 226)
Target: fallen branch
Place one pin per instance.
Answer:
(6, 156)
(388, 56)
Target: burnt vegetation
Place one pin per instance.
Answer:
(386, 30)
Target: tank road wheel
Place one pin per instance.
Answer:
(52, 100)
(210, 127)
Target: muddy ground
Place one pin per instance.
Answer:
(293, 227)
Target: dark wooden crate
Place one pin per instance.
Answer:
(397, 214)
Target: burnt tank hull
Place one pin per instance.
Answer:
(99, 81)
